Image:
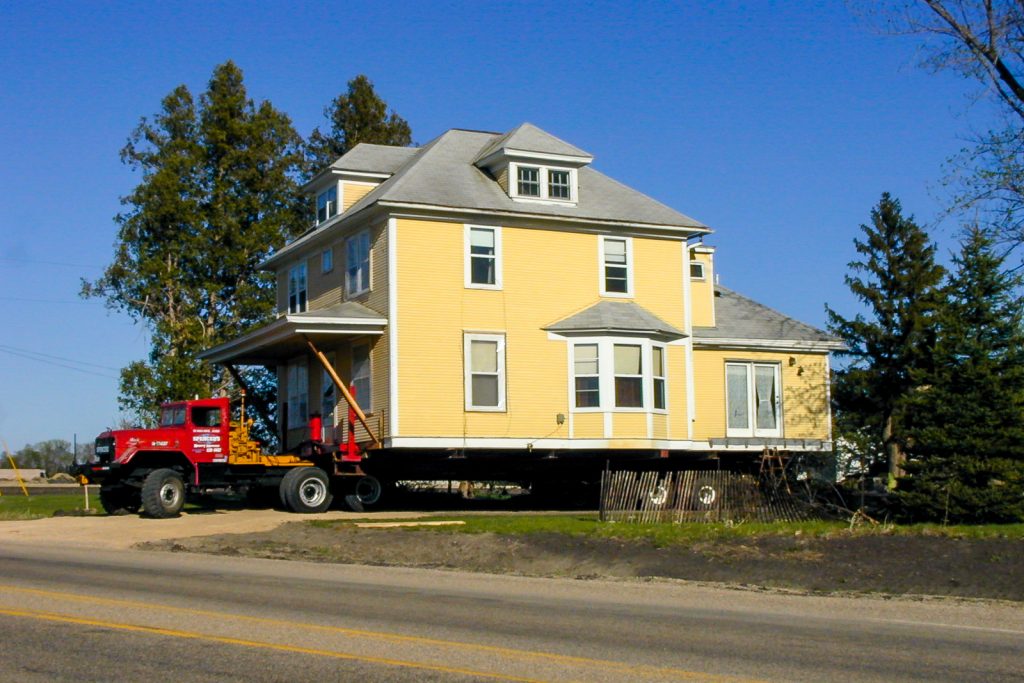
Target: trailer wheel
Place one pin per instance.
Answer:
(163, 493)
(307, 489)
(369, 490)
(120, 499)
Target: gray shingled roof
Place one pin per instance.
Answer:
(616, 316)
(737, 317)
(529, 138)
(442, 174)
(371, 158)
(346, 309)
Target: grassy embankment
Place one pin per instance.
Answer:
(17, 506)
(663, 535)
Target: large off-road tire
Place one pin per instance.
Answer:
(163, 494)
(307, 489)
(120, 499)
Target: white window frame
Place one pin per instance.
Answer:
(350, 290)
(336, 206)
(752, 430)
(298, 394)
(606, 372)
(575, 375)
(298, 288)
(543, 178)
(700, 266)
(467, 359)
(663, 377)
(603, 282)
(364, 399)
(327, 260)
(468, 264)
(328, 416)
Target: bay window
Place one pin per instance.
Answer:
(618, 374)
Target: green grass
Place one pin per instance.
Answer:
(663, 535)
(17, 506)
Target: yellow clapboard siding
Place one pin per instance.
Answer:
(323, 289)
(588, 425)
(702, 292)
(804, 392)
(435, 310)
(352, 193)
(629, 425)
(659, 426)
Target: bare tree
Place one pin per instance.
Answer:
(982, 40)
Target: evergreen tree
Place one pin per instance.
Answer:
(218, 194)
(897, 279)
(966, 454)
(358, 115)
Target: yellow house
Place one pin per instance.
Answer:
(492, 294)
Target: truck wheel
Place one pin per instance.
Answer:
(307, 489)
(163, 494)
(120, 499)
(369, 490)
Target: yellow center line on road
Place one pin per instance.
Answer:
(635, 669)
(153, 630)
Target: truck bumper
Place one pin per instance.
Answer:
(98, 473)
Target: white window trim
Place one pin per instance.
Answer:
(468, 257)
(329, 252)
(664, 376)
(628, 294)
(293, 384)
(703, 270)
(337, 202)
(542, 169)
(300, 307)
(752, 430)
(350, 292)
(606, 373)
(467, 340)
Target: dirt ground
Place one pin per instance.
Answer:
(881, 564)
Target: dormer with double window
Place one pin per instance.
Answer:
(534, 166)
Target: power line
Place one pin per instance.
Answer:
(48, 301)
(56, 361)
(49, 263)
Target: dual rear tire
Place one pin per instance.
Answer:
(306, 489)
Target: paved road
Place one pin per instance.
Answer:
(115, 615)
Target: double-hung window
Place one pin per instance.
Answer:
(618, 374)
(361, 376)
(298, 395)
(629, 376)
(484, 357)
(753, 399)
(483, 257)
(587, 375)
(327, 204)
(357, 263)
(327, 260)
(297, 288)
(658, 376)
(616, 266)
(328, 401)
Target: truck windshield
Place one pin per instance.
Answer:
(172, 416)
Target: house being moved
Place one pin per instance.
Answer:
(492, 296)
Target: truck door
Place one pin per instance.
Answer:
(209, 433)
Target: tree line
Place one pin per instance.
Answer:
(932, 391)
(218, 193)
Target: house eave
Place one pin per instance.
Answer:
(793, 345)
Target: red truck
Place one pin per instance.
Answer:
(197, 449)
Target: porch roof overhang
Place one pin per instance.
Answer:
(286, 337)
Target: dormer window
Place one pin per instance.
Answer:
(529, 181)
(558, 184)
(327, 204)
(543, 183)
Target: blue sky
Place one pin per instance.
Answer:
(777, 124)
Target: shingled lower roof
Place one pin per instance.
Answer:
(616, 317)
(739, 318)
